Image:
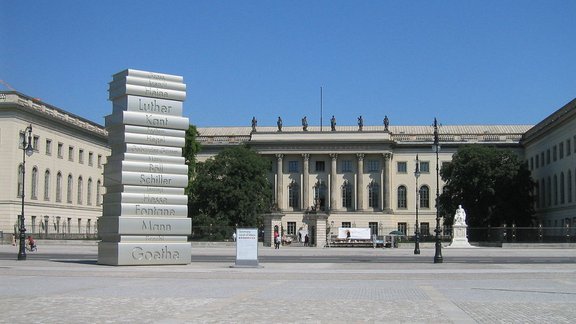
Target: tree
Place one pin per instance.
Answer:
(230, 189)
(191, 148)
(493, 185)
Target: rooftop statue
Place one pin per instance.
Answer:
(304, 124)
(279, 123)
(360, 123)
(254, 124)
(333, 123)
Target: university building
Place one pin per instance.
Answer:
(323, 179)
(63, 183)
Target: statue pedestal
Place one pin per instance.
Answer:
(459, 239)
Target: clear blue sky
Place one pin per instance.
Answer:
(465, 62)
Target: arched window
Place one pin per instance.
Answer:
(402, 199)
(424, 197)
(34, 186)
(89, 192)
(98, 184)
(80, 188)
(20, 180)
(569, 182)
(562, 189)
(69, 189)
(47, 185)
(555, 184)
(373, 194)
(346, 195)
(293, 195)
(548, 192)
(59, 187)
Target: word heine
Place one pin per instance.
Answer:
(154, 211)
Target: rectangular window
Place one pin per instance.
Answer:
(60, 149)
(424, 166)
(568, 147)
(402, 167)
(346, 166)
(291, 229)
(561, 150)
(90, 158)
(81, 156)
(292, 166)
(320, 166)
(554, 153)
(36, 143)
(402, 227)
(373, 228)
(21, 140)
(532, 163)
(537, 162)
(425, 229)
(547, 156)
(542, 159)
(48, 147)
(99, 161)
(373, 166)
(70, 153)
(346, 225)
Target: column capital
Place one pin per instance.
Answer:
(279, 156)
(306, 156)
(360, 156)
(387, 156)
(334, 156)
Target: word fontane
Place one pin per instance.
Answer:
(139, 253)
(154, 211)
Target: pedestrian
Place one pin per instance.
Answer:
(276, 240)
(306, 240)
(234, 236)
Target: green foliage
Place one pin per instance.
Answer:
(191, 148)
(492, 185)
(231, 188)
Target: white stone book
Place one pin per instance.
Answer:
(115, 165)
(146, 149)
(117, 129)
(146, 119)
(118, 90)
(144, 225)
(132, 157)
(147, 105)
(133, 138)
(147, 82)
(115, 177)
(145, 198)
(145, 190)
(148, 75)
(146, 253)
(144, 210)
(143, 238)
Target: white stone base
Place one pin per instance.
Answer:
(459, 239)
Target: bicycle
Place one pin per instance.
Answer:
(32, 248)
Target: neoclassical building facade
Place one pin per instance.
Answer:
(348, 176)
(356, 176)
(63, 183)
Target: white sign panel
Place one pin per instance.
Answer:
(247, 247)
(355, 233)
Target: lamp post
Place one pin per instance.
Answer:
(27, 149)
(438, 246)
(416, 228)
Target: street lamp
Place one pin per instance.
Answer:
(438, 246)
(27, 149)
(416, 228)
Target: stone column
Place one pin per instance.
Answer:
(279, 182)
(386, 185)
(333, 182)
(360, 180)
(305, 181)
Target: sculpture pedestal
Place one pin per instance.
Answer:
(459, 239)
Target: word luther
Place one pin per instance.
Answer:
(154, 107)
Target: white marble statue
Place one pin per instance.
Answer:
(460, 217)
